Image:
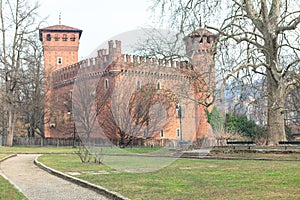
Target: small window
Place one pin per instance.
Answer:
(138, 84)
(201, 40)
(208, 39)
(178, 132)
(161, 133)
(48, 37)
(106, 84)
(64, 38)
(59, 60)
(56, 37)
(158, 86)
(72, 37)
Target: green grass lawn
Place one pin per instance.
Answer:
(49, 149)
(193, 179)
(273, 156)
(3, 156)
(22, 149)
(8, 191)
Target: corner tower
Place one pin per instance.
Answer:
(60, 46)
(200, 49)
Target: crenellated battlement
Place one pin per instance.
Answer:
(113, 60)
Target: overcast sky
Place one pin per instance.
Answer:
(99, 19)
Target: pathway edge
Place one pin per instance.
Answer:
(6, 178)
(103, 191)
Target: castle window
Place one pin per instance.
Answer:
(72, 37)
(56, 37)
(64, 38)
(161, 133)
(178, 132)
(48, 37)
(208, 39)
(59, 60)
(158, 86)
(106, 84)
(201, 40)
(138, 84)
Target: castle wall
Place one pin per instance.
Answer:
(131, 73)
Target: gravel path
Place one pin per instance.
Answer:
(37, 184)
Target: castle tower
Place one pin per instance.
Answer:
(200, 49)
(60, 45)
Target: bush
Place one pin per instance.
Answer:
(244, 127)
(215, 119)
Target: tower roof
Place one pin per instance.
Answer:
(201, 32)
(60, 28)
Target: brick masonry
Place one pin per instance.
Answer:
(131, 73)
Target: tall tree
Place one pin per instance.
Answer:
(31, 95)
(17, 23)
(257, 39)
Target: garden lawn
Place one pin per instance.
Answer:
(3, 156)
(193, 179)
(8, 191)
(22, 149)
(273, 156)
(53, 149)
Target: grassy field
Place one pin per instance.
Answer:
(273, 156)
(21, 149)
(2, 156)
(193, 179)
(8, 191)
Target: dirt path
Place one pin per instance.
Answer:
(37, 184)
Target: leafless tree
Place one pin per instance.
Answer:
(31, 96)
(129, 113)
(84, 107)
(257, 39)
(17, 19)
(293, 108)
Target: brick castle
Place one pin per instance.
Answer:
(144, 85)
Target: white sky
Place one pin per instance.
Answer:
(99, 19)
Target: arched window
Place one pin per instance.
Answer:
(72, 38)
(178, 132)
(201, 40)
(56, 37)
(59, 60)
(158, 86)
(64, 38)
(138, 84)
(106, 84)
(48, 37)
(161, 133)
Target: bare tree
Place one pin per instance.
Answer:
(31, 97)
(17, 20)
(257, 38)
(129, 113)
(84, 107)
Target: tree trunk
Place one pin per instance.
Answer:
(10, 128)
(276, 96)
